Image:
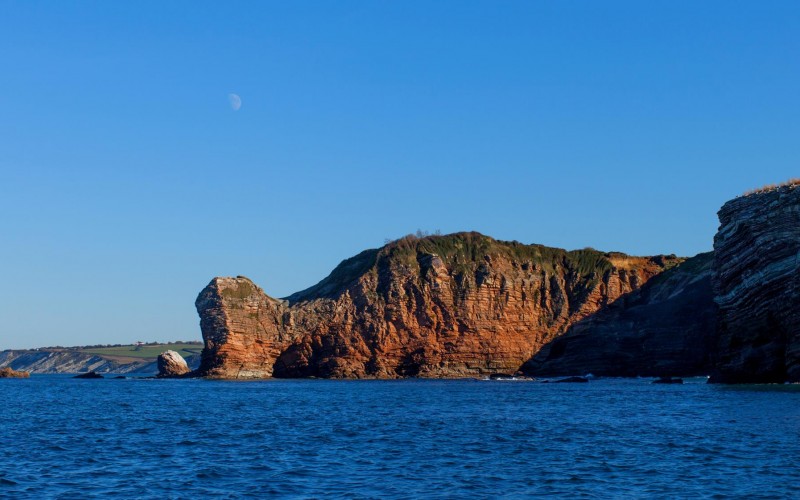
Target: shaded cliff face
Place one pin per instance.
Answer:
(757, 285)
(441, 306)
(665, 328)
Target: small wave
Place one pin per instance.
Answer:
(208, 475)
(398, 440)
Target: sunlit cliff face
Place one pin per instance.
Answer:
(441, 306)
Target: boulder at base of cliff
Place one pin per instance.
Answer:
(7, 372)
(89, 375)
(171, 364)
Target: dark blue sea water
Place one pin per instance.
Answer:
(67, 438)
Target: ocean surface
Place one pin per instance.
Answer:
(67, 438)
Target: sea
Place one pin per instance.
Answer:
(62, 437)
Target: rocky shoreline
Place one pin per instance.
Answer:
(461, 305)
(467, 305)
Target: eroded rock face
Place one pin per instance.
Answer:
(244, 329)
(171, 364)
(665, 328)
(441, 306)
(757, 285)
(7, 372)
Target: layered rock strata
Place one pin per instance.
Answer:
(665, 328)
(440, 306)
(757, 284)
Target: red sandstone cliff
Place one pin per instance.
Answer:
(440, 306)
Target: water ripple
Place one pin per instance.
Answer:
(396, 439)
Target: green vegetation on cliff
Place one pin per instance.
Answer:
(465, 253)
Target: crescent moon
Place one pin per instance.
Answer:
(236, 101)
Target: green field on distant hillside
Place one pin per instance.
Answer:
(145, 351)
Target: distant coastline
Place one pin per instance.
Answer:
(101, 358)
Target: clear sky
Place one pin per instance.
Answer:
(128, 181)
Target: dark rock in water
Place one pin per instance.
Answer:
(666, 326)
(757, 285)
(668, 380)
(89, 375)
(7, 372)
(120, 377)
(571, 380)
(171, 364)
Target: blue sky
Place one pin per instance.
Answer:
(127, 181)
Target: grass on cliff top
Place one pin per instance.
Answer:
(463, 252)
(772, 187)
(146, 351)
(242, 291)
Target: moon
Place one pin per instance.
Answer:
(236, 101)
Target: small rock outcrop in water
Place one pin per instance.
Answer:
(757, 286)
(171, 364)
(7, 372)
(89, 375)
(668, 380)
(441, 306)
(666, 326)
(571, 380)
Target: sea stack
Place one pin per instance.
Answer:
(756, 281)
